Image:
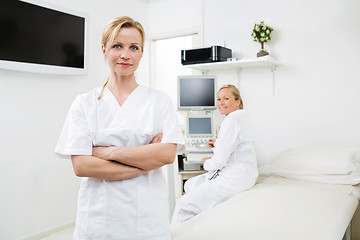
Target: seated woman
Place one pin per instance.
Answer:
(232, 168)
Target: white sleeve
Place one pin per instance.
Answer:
(165, 117)
(226, 143)
(75, 138)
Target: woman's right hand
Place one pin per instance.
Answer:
(211, 142)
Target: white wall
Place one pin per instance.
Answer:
(317, 84)
(39, 190)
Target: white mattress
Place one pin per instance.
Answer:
(277, 209)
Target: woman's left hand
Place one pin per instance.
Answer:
(211, 142)
(205, 159)
(157, 138)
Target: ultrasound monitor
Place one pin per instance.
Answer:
(196, 93)
(199, 126)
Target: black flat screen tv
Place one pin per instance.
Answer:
(39, 37)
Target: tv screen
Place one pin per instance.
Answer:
(196, 92)
(38, 38)
(199, 126)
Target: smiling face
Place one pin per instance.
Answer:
(124, 54)
(226, 101)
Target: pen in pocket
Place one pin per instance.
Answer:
(214, 175)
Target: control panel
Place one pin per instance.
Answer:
(196, 148)
(197, 144)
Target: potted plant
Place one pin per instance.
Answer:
(262, 33)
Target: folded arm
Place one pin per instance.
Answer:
(146, 157)
(106, 169)
(90, 166)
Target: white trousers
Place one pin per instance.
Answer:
(200, 195)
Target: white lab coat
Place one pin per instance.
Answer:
(135, 208)
(235, 156)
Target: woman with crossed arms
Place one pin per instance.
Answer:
(107, 134)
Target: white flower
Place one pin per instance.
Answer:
(261, 33)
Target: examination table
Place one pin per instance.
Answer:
(290, 203)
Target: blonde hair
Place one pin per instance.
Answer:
(236, 93)
(112, 29)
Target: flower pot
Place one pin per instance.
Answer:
(262, 53)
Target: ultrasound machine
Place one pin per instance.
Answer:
(197, 95)
(199, 129)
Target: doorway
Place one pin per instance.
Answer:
(165, 67)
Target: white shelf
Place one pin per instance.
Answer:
(266, 61)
